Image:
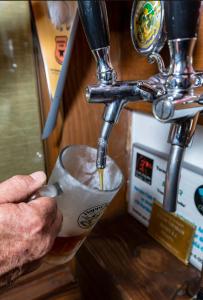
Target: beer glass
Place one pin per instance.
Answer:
(74, 183)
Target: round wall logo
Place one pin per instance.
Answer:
(147, 22)
(199, 199)
(89, 217)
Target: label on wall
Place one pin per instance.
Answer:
(173, 232)
(147, 181)
(53, 42)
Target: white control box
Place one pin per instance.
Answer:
(147, 177)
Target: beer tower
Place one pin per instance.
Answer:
(172, 92)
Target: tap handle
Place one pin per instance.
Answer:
(181, 18)
(94, 18)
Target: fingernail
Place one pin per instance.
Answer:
(39, 176)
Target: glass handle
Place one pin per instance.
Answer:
(49, 190)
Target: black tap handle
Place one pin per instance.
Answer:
(94, 18)
(181, 18)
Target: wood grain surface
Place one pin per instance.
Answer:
(43, 283)
(120, 261)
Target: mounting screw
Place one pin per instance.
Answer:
(163, 109)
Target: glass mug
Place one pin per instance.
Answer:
(74, 183)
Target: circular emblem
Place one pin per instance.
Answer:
(147, 26)
(199, 199)
(90, 216)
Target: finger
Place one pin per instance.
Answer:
(18, 188)
(54, 229)
(46, 209)
(56, 226)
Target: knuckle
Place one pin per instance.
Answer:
(49, 207)
(17, 177)
(49, 242)
(43, 212)
(41, 223)
(37, 223)
(43, 246)
(49, 203)
(46, 243)
(58, 223)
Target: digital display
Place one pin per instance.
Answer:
(144, 168)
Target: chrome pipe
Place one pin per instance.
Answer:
(129, 90)
(105, 72)
(173, 178)
(180, 137)
(102, 145)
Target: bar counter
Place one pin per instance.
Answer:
(120, 261)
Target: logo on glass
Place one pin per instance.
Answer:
(89, 217)
(144, 168)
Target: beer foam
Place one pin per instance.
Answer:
(82, 166)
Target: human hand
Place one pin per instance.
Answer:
(27, 230)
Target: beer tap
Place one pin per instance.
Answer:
(172, 91)
(95, 23)
(114, 94)
(180, 106)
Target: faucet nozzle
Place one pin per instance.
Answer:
(180, 137)
(101, 153)
(102, 145)
(173, 178)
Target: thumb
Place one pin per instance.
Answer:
(18, 188)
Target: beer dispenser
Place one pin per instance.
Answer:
(181, 105)
(172, 92)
